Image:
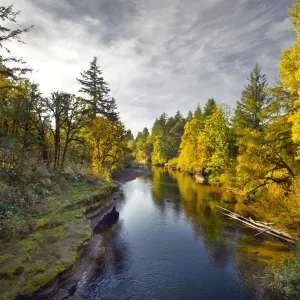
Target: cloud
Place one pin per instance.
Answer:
(157, 56)
(277, 29)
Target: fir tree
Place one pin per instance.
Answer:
(111, 110)
(189, 116)
(209, 107)
(94, 85)
(254, 100)
(198, 112)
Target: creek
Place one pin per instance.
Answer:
(170, 241)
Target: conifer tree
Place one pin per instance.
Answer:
(255, 98)
(209, 107)
(8, 15)
(198, 112)
(94, 85)
(189, 116)
(111, 112)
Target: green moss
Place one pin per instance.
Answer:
(39, 266)
(3, 258)
(59, 233)
(14, 268)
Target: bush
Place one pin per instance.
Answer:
(286, 276)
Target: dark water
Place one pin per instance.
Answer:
(171, 242)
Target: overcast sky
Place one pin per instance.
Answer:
(157, 55)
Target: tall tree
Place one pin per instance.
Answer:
(93, 84)
(8, 16)
(255, 99)
(57, 103)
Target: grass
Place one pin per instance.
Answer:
(57, 231)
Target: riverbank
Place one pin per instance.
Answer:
(170, 233)
(130, 174)
(59, 231)
(61, 235)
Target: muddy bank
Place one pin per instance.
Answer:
(130, 174)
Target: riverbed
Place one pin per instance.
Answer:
(170, 241)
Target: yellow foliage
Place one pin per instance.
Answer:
(290, 74)
(192, 155)
(108, 144)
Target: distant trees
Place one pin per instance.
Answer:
(207, 140)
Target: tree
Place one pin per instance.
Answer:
(219, 140)
(250, 110)
(107, 142)
(192, 157)
(209, 107)
(57, 103)
(74, 120)
(189, 116)
(290, 75)
(198, 112)
(93, 84)
(8, 16)
(111, 112)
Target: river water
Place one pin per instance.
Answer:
(171, 242)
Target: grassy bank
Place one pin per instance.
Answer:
(56, 229)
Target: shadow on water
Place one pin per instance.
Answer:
(108, 221)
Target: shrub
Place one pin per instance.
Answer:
(286, 276)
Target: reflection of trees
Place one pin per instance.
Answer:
(223, 239)
(165, 188)
(251, 255)
(199, 203)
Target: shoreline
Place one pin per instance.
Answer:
(65, 284)
(130, 174)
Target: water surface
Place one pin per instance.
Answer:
(171, 242)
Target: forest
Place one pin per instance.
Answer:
(252, 150)
(47, 141)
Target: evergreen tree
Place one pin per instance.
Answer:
(94, 85)
(198, 112)
(111, 112)
(249, 111)
(7, 15)
(189, 116)
(129, 135)
(209, 107)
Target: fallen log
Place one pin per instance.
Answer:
(262, 227)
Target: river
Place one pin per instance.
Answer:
(171, 242)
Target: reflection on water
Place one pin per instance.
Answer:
(171, 242)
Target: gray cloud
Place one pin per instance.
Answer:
(158, 56)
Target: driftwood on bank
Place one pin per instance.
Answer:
(260, 226)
